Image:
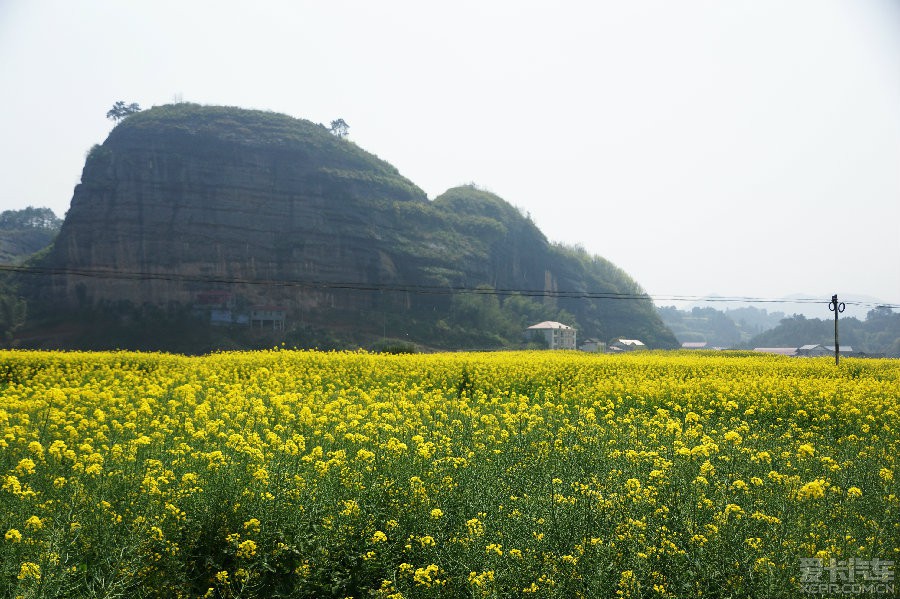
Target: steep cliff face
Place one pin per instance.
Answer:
(181, 200)
(194, 192)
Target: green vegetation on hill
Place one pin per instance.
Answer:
(24, 232)
(619, 313)
(210, 125)
(473, 239)
(13, 311)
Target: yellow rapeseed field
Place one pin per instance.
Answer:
(307, 474)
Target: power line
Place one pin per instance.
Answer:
(762, 300)
(316, 284)
(414, 289)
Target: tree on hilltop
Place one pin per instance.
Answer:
(340, 128)
(120, 110)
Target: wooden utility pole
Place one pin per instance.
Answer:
(837, 308)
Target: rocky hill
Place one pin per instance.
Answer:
(184, 203)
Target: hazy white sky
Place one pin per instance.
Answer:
(745, 148)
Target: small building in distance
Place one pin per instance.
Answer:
(627, 345)
(218, 306)
(268, 317)
(781, 351)
(556, 334)
(845, 350)
(813, 350)
(593, 346)
(695, 345)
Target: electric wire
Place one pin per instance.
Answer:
(413, 289)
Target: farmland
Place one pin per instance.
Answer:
(310, 474)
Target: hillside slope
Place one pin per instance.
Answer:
(182, 201)
(25, 232)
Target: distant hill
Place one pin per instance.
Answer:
(879, 333)
(717, 328)
(25, 232)
(269, 214)
(702, 325)
(749, 327)
(809, 305)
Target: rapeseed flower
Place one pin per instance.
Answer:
(29, 570)
(425, 576)
(246, 549)
(25, 466)
(572, 459)
(813, 490)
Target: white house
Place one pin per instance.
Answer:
(556, 334)
(782, 351)
(627, 345)
(695, 345)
